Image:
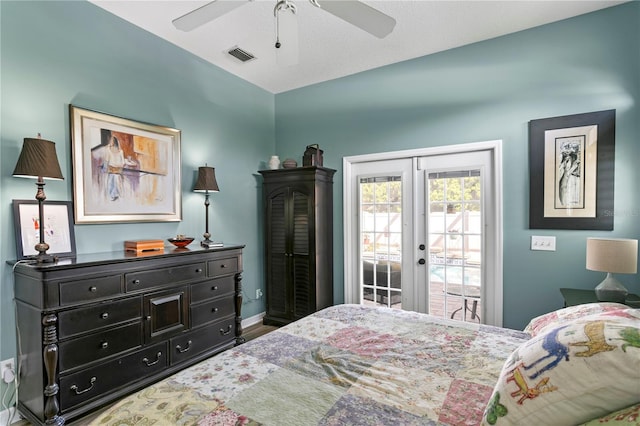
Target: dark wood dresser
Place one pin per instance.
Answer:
(97, 327)
(298, 214)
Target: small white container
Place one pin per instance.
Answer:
(274, 162)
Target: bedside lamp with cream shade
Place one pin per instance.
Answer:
(612, 255)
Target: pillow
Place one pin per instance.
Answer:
(553, 319)
(574, 372)
(629, 416)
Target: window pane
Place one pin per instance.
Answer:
(436, 247)
(367, 218)
(436, 189)
(395, 192)
(472, 188)
(472, 219)
(473, 277)
(474, 250)
(436, 218)
(453, 189)
(366, 193)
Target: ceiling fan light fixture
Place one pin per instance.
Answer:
(282, 5)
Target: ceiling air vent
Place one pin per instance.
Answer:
(240, 54)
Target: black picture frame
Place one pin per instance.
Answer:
(58, 220)
(577, 193)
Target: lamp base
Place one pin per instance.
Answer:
(44, 258)
(611, 290)
(210, 244)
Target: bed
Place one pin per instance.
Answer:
(357, 365)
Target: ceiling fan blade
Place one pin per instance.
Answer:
(361, 15)
(208, 12)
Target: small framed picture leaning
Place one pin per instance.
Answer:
(58, 228)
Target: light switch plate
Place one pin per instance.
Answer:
(545, 243)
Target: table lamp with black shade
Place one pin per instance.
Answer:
(612, 255)
(207, 183)
(38, 160)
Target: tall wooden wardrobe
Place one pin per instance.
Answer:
(298, 223)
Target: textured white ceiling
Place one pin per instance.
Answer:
(330, 48)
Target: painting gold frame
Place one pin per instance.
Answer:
(571, 165)
(124, 170)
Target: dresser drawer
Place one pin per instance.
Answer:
(98, 316)
(90, 289)
(80, 387)
(212, 310)
(223, 266)
(159, 277)
(212, 288)
(190, 344)
(80, 351)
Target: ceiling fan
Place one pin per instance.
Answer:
(354, 12)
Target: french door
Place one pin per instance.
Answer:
(423, 231)
(384, 199)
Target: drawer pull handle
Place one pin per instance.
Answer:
(179, 348)
(222, 266)
(136, 282)
(75, 387)
(104, 345)
(104, 315)
(224, 333)
(93, 289)
(214, 288)
(149, 364)
(214, 310)
(199, 270)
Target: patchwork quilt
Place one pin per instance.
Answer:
(345, 365)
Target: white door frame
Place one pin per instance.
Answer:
(351, 270)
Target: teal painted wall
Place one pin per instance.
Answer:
(60, 53)
(488, 91)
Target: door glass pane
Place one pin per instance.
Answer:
(455, 245)
(381, 240)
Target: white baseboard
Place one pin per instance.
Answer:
(6, 414)
(248, 322)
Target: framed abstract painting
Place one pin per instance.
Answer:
(124, 170)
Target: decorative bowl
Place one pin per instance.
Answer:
(181, 242)
(289, 163)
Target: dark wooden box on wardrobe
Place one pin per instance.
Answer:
(298, 212)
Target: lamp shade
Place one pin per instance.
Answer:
(615, 255)
(206, 180)
(38, 159)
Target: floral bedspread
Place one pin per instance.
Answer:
(345, 365)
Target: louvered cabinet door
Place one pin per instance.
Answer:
(277, 256)
(301, 254)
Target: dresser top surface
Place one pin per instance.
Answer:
(88, 259)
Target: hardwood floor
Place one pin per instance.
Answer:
(257, 330)
(248, 333)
